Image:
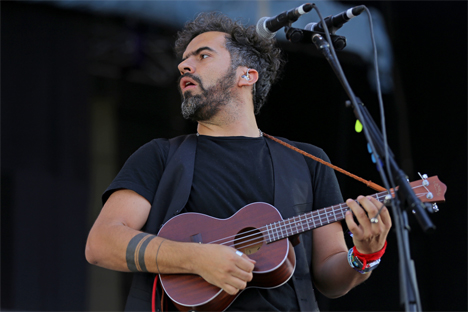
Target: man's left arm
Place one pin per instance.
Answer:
(332, 274)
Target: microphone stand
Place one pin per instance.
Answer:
(404, 195)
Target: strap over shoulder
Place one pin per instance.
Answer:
(175, 184)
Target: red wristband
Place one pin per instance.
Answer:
(369, 257)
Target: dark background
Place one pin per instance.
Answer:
(65, 105)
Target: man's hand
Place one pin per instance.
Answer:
(368, 237)
(222, 266)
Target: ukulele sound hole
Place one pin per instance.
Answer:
(249, 240)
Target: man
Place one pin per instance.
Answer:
(226, 73)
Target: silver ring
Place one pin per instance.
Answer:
(239, 253)
(374, 220)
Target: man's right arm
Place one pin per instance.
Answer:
(116, 242)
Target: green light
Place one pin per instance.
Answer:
(358, 126)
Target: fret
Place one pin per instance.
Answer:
(272, 233)
(290, 228)
(279, 230)
(326, 215)
(313, 218)
(283, 228)
(330, 214)
(296, 222)
(273, 228)
(305, 222)
(293, 224)
(276, 230)
(269, 232)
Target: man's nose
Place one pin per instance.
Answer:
(186, 67)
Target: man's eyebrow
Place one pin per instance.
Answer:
(198, 51)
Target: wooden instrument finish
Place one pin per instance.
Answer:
(259, 231)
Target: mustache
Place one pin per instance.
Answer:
(193, 77)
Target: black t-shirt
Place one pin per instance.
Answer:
(229, 173)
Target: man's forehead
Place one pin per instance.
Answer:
(215, 40)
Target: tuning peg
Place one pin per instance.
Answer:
(424, 178)
(431, 208)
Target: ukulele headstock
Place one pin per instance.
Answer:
(430, 190)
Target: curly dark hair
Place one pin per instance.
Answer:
(245, 46)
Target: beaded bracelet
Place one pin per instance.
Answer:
(364, 263)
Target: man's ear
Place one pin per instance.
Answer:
(249, 76)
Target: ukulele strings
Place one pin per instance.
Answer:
(256, 235)
(281, 230)
(314, 215)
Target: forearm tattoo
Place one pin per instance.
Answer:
(136, 252)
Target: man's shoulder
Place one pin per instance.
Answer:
(155, 145)
(165, 147)
(306, 147)
(163, 144)
(310, 148)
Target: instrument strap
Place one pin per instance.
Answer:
(368, 183)
(153, 296)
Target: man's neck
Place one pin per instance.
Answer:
(231, 130)
(241, 125)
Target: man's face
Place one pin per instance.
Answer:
(207, 76)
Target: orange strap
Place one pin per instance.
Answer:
(368, 183)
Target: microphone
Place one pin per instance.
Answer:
(268, 26)
(336, 22)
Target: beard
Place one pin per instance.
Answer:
(204, 106)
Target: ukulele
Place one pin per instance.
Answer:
(259, 231)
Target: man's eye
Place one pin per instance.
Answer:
(204, 56)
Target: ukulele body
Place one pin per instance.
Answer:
(245, 231)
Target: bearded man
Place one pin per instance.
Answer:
(226, 72)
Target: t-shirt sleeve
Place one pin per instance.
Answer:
(325, 185)
(142, 171)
